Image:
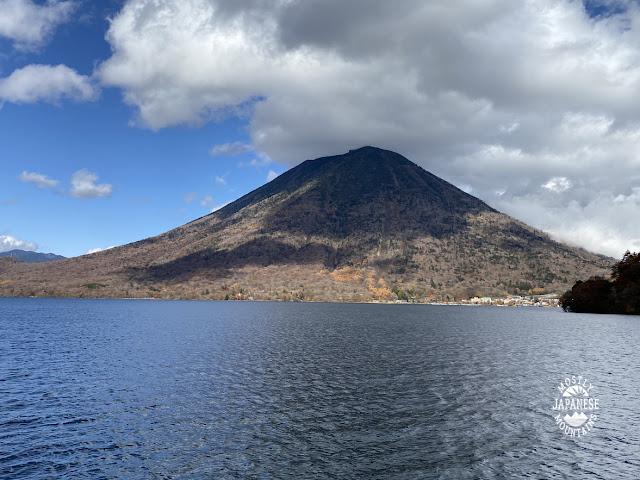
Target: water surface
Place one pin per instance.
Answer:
(119, 389)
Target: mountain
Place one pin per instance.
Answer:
(366, 225)
(31, 257)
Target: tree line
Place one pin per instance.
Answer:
(618, 294)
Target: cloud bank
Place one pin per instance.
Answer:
(531, 106)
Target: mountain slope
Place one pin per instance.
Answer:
(367, 225)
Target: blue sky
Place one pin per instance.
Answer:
(123, 119)
(157, 179)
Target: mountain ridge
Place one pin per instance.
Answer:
(362, 226)
(31, 257)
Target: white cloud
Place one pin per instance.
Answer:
(206, 201)
(97, 249)
(46, 83)
(30, 25)
(499, 96)
(599, 222)
(558, 184)
(83, 185)
(38, 179)
(271, 175)
(220, 180)
(235, 148)
(7, 242)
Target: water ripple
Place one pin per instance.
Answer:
(185, 390)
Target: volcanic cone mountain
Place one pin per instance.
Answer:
(367, 225)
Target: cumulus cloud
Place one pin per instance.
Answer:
(46, 83)
(271, 175)
(7, 242)
(537, 100)
(220, 180)
(30, 25)
(38, 179)
(83, 185)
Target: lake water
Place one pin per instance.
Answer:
(123, 389)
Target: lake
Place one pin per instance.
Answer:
(124, 389)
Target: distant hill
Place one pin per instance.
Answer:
(31, 257)
(368, 225)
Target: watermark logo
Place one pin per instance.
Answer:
(576, 406)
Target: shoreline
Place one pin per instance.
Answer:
(374, 302)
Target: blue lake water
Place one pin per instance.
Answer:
(119, 389)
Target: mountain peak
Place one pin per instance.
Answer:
(371, 150)
(365, 176)
(367, 189)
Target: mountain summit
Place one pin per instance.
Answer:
(366, 225)
(368, 190)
